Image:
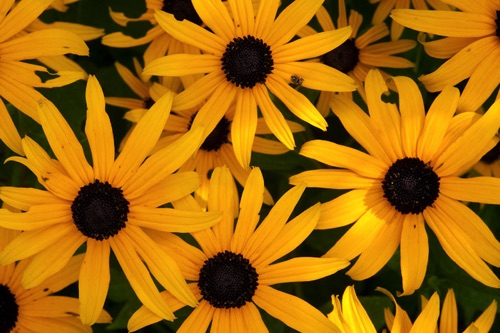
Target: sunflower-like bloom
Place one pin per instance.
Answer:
(427, 320)
(357, 55)
(234, 271)
(350, 316)
(216, 150)
(472, 45)
(18, 78)
(104, 206)
(409, 176)
(34, 310)
(246, 57)
(384, 8)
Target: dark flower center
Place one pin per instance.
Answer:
(9, 310)
(182, 10)
(344, 58)
(497, 21)
(247, 61)
(493, 155)
(410, 185)
(217, 137)
(149, 103)
(228, 280)
(100, 210)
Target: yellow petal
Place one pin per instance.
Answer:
(445, 23)
(183, 64)
(20, 16)
(354, 313)
(298, 104)
(243, 127)
(250, 205)
(98, 130)
(94, 280)
(64, 144)
(414, 253)
(139, 277)
(293, 311)
(300, 269)
(477, 189)
(199, 319)
(448, 321)
(8, 131)
(340, 156)
(311, 46)
(215, 15)
(141, 141)
(427, 319)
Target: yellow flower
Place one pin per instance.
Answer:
(33, 309)
(18, 78)
(216, 150)
(384, 8)
(106, 206)
(472, 45)
(350, 317)
(408, 178)
(247, 57)
(233, 273)
(427, 320)
(357, 55)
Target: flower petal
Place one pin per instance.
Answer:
(477, 189)
(215, 15)
(243, 127)
(183, 64)
(94, 280)
(333, 179)
(340, 156)
(445, 23)
(199, 319)
(138, 276)
(293, 311)
(20, 16)
(414, 253)
(427, 319)
(300, 270)
(37, 217)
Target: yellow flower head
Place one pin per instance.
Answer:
(233, 273)
(245, 58)
(34, 309)
(105, 205)
(409, 176)
(358, 54)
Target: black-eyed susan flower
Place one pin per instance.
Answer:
(105, 206)
(384, 8)
(233, 273)
(358, 54)
(216, 149)
(427, 320)
(18, 79)
(34, 309)
(471, 43)
(350, 316)
(245, 58)
(408, 178)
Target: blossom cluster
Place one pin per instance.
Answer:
(249, 165)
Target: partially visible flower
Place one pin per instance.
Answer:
(34, 309)
(357, 55)
(216, 150)
(350, 317)
(385, 6)
(18, 79)
(235, 270)
(472, 45)
(246, 57)
(106, 205)
(410, 177)
(160, 43)
(427, 321)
